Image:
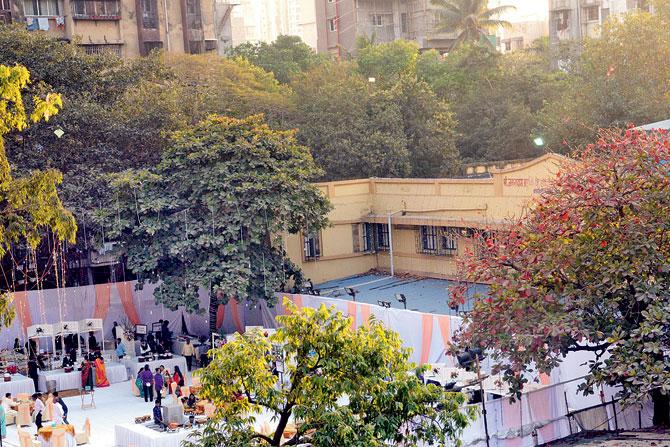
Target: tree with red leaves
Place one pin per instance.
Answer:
(587, 269)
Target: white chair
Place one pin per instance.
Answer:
(84, 437)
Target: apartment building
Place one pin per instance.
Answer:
(265, 20)
(340, 22)
(416, 226)
(125, 27)
(521, 35)
(578, 19)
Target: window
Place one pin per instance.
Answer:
(332, 26)
(592, 13)
(195, 47)
(368, 237)
(193, 17)
(377, 20)
(508, 45)
(403, 22)
(151, 46)
(41, 7)
(103, 9)
(428, 239)
(149, 14)
(363, 236)
(382, 237)
(562, 20)
(440, 241)
(312, 246)
(103, 48)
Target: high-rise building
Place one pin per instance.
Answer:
(520, 35)
(265, 20)
(125, 27)
(340, 22)
(578, 19)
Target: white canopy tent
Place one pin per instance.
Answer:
(65, 328)
(92, 325)
(38, 332)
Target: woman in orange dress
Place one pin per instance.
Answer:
(100, 374)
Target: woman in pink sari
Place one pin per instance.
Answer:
(100, 374)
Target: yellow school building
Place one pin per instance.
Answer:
(416, 226)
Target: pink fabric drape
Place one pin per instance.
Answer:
(444, 322)
(235, 309)
(102, 294)
(126, 296)
(545, 379)
(541, 404)
(297, 300)
(351, 311)
(220, 315)
(511, 418)
(365, 313)
(427, 337)
(22, 307)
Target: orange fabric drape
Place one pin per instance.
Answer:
(445, 329)
(235, 309)
(427, 336)
(22, 309)
(220, 315)
(297, 300)
(351, 311)
(365, 313)
(102, 293)
(126, 295)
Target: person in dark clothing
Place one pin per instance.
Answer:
(166, 335)
(147, 383)
(67, 362)
(17, 346)
(158, 415)
(62, 404)
(92, 342)
(32, 371)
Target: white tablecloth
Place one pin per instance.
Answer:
(69, 441)
(116, 372)
(141, 436)
(19, 384)
(64, 381)
(135, 366)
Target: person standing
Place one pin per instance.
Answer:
(39, 409)
(188, 351)
(3, 422)
(60, 401)
(147, 384)
(9, 405)
(159, 381)
(116, 333)
(32, 372)
(120, 349)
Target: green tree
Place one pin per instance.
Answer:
(617, 79)
(285, 57)
(586, 270)
(387, 62)
(471, 20)
(30, 204)
(211, 213)
(345, 388)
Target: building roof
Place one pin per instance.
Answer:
(665, 124)
(423, 294)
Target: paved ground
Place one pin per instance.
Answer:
(647, 438)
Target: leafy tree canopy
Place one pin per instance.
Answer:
(342, 387)
(470, 20)
(387, 62)
(586, 270)
(30, 204)
(618, 79)
(285, 57)
(211, 213)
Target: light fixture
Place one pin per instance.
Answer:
(59, 132)
(538, 141)
(351, 292)
(401, 298)
(386, 304)
(372, 80)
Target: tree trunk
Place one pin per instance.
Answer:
(661, 408)
(213, 308)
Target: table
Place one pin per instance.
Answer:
(116, 372)
(135, 366)
(140, 435)
(19, 384)
(44, 435)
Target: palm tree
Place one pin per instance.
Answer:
(471, 19)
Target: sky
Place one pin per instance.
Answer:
(526, 10)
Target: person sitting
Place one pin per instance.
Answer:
(190, 402)
(120, 349)
(144, 348)
(151, 341)
(9, 405)
(159, 349)
(17, 346)
(158, 414)
(67, 362)
(63, 407)
(92, 342)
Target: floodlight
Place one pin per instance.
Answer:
(401, 298)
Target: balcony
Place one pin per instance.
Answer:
(560, 5)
